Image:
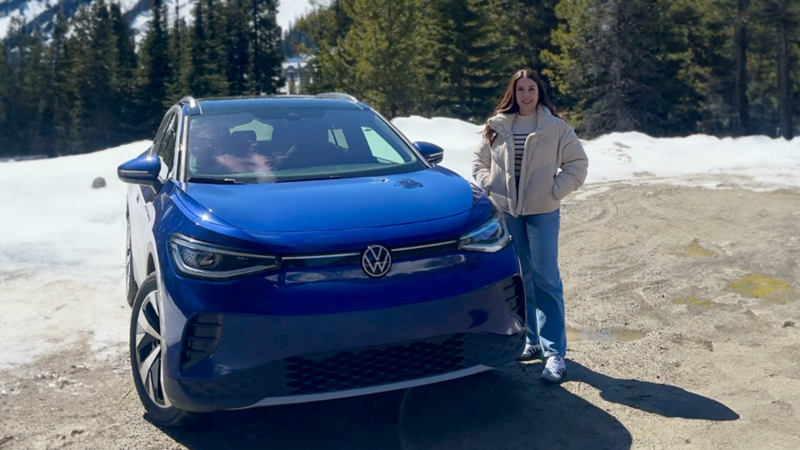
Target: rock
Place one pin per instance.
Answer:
(98, 182)
(788, 323)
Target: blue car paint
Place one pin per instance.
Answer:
(299, 311)
(338, 204)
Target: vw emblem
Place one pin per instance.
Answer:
(376, 261)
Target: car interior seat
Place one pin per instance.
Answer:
(242, 142)
(313, 148)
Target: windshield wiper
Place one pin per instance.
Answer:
(213, 180)
(332, 177)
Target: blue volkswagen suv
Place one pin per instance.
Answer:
(295, 249)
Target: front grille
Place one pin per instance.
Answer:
(359, 368)
(374, 367)
(423, 250)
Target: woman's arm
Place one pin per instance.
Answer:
(574, 165)
(482, 165)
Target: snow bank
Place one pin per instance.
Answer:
(62, 249)
(626, 156)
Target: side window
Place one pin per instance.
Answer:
(166, 146)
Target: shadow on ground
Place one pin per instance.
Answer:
(661, 399)
(503, 409)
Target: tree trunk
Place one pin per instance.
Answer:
(742, 126)
(784, 82)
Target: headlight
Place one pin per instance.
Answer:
(202, 260)
(490, 237)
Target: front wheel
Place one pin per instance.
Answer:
(146, 346)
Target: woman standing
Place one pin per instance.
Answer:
(530, 159)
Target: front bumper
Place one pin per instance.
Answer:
(268, 357)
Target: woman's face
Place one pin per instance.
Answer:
(527, 96)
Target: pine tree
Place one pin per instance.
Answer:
(772, 34)
(472, 53)
(693, 66)
(179, 56)
(5, 84)
(328, 67)
(238, 33)
(97, 80)
(35, 81)
(63, 93)
(781, 17)
(381, 42)
(207, 77)
(605, 63)
(124, 82)
(742, 115)
(154, 69)
(25, 96)
(530, 24)
(265, 69)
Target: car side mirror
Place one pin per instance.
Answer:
(142, 170)
(432, 153)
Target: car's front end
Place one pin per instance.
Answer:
(283, 281)
(318, 325)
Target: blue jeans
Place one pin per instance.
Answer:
(536, 240)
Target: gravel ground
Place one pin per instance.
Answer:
(684, 313)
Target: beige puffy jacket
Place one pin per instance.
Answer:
(551, 147)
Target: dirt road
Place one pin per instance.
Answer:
(684, 313)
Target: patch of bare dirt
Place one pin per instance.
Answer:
(682, 305)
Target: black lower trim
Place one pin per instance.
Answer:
(352, 369)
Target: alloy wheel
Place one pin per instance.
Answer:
(148, 350)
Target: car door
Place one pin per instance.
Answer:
(141, 210)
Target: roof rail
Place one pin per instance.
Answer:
(338, 95)
(189, 99)
(192, 103)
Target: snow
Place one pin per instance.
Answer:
(757, 162)
(29, 10)
(288, 12)
(141, 21)
(62, 253)
(291, 10)
(62, 242)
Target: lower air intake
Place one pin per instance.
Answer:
(201, 338)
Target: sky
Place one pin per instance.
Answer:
(62, 245)
(290, 10)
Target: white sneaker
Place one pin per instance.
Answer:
(554, 370)
(531, 352)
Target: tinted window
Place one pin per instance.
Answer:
(287, 145)
(166, 147)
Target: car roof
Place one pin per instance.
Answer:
(246, 103)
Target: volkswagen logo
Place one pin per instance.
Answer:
(376, 261)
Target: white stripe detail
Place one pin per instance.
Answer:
(293, 399)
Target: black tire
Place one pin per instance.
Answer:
(131, 288)
(158, 408)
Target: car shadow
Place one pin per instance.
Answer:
(504, 409)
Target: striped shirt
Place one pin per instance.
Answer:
(521, 128)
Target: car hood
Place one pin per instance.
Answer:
(338, 204)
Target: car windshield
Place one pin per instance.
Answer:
(279, 145)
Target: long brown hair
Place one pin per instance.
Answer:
(508, 104)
